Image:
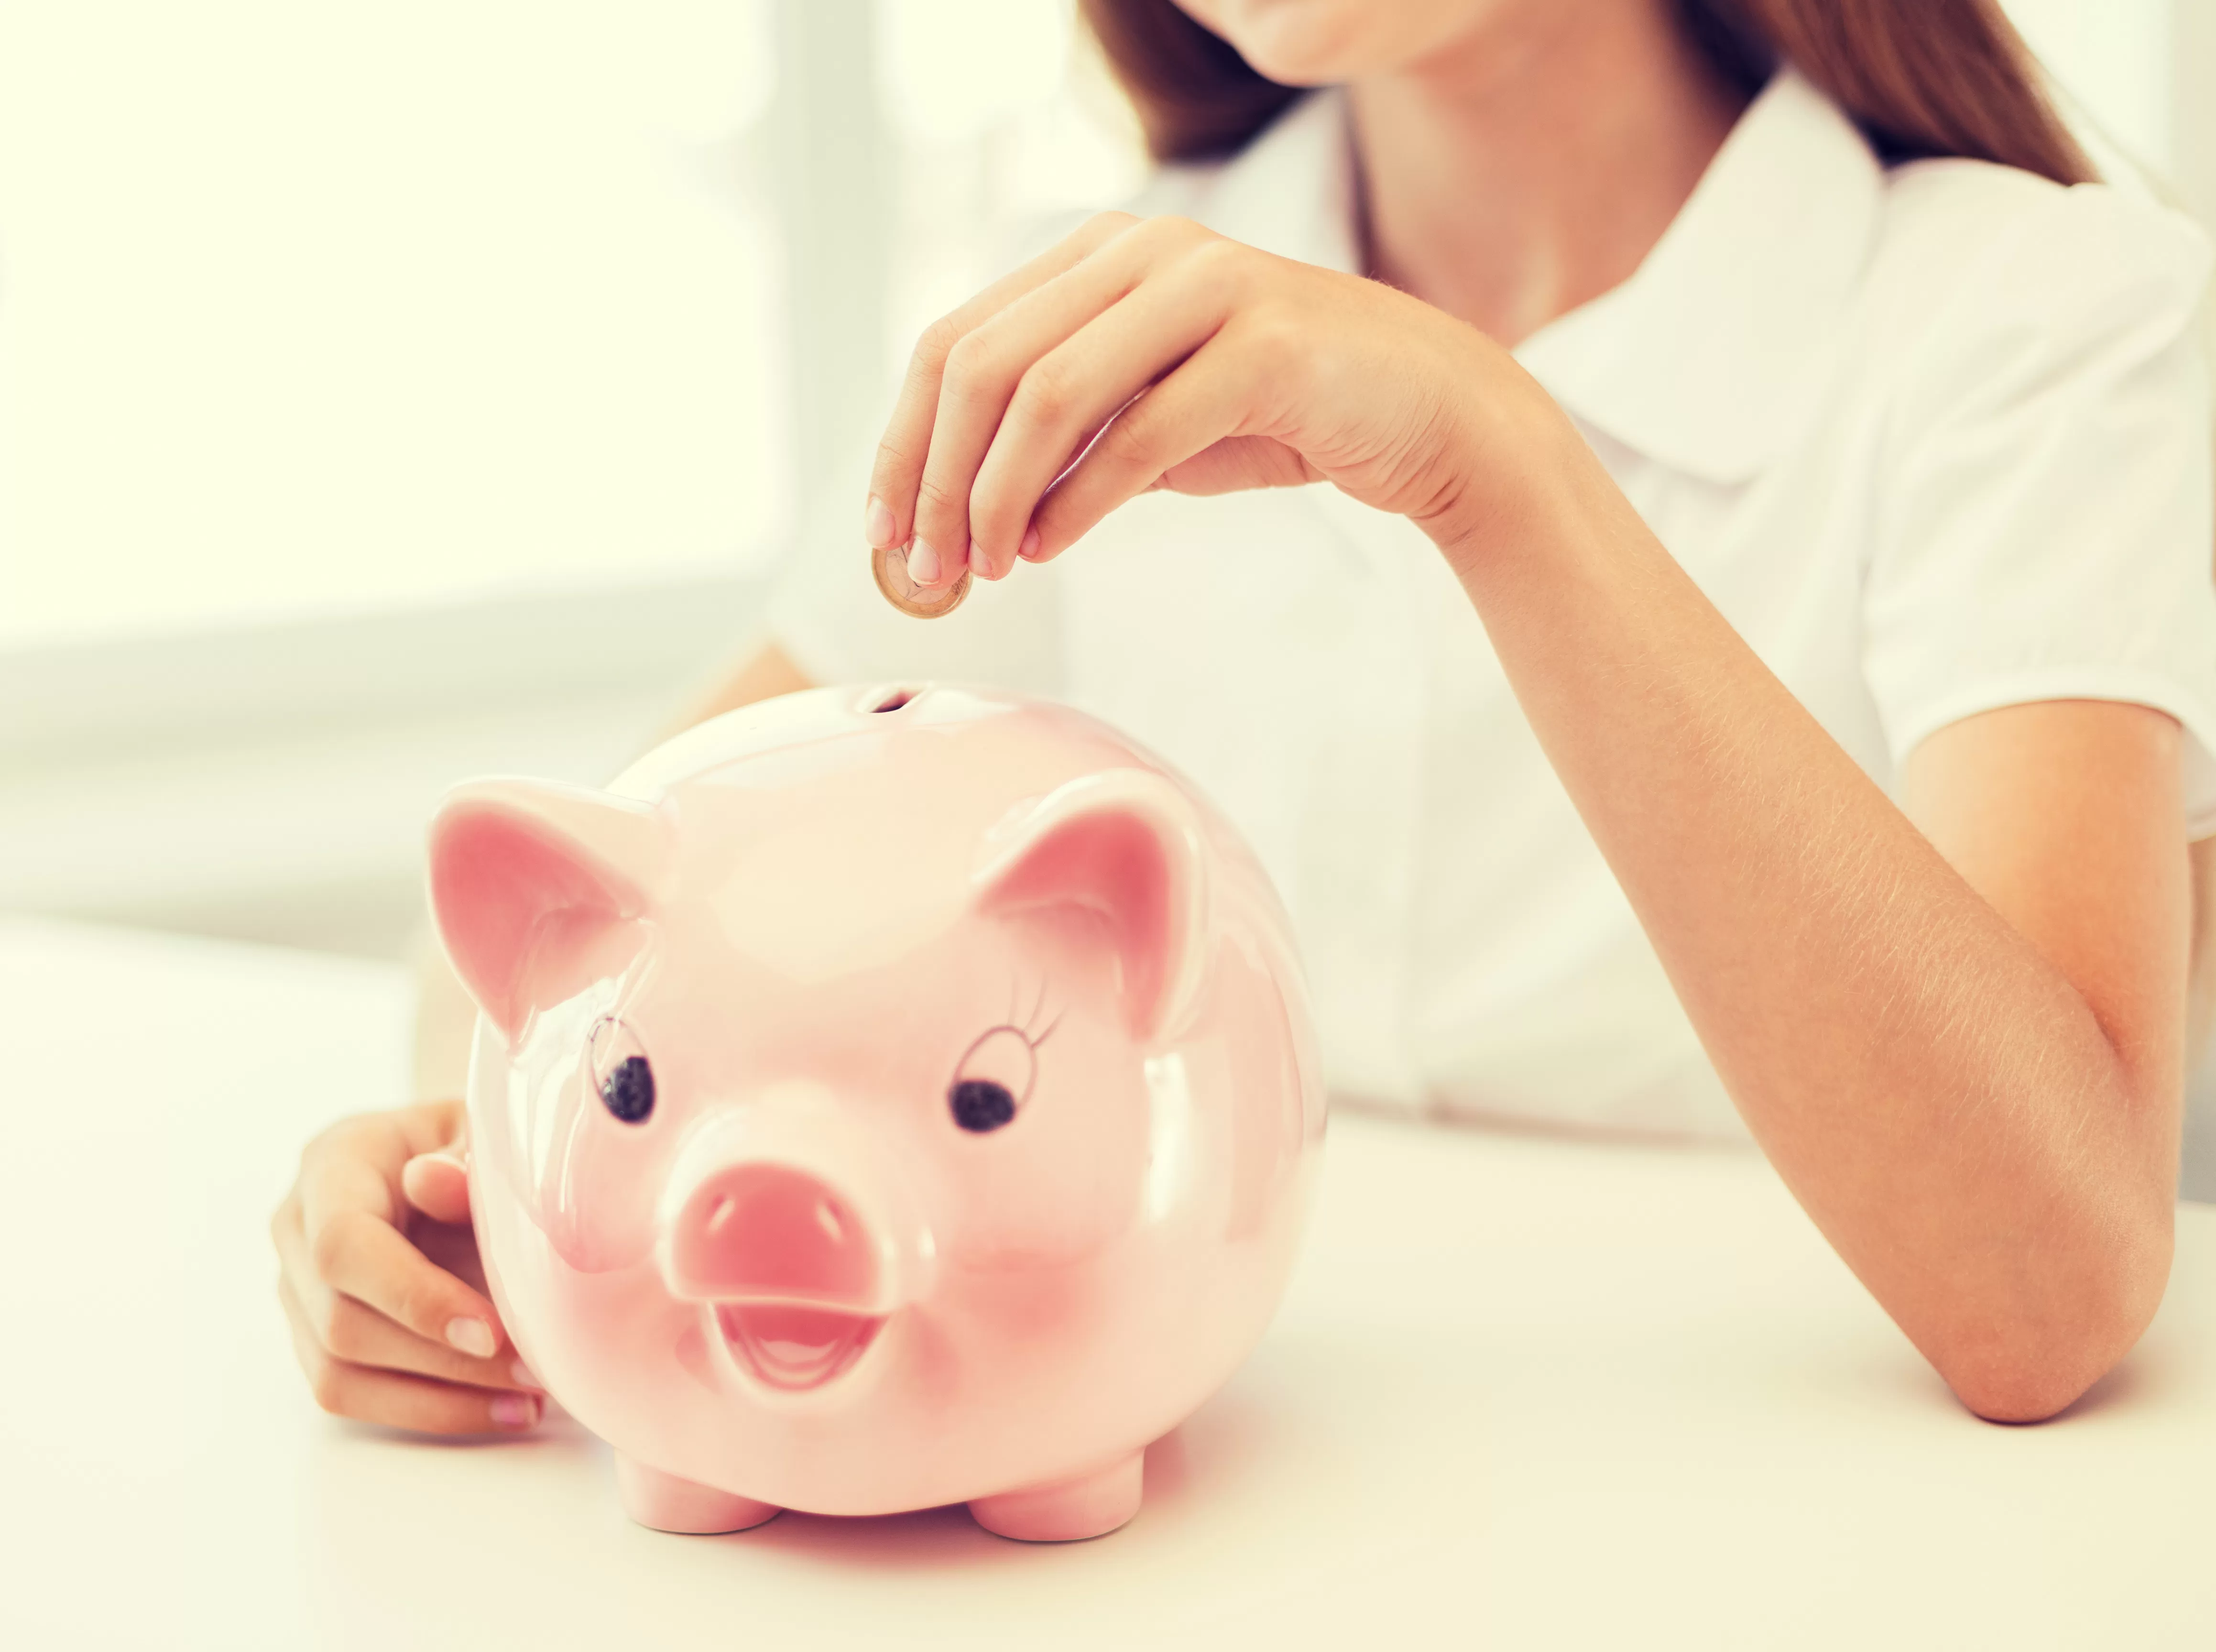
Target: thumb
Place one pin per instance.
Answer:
(438, 1183)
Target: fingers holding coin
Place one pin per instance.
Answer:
(889, 566)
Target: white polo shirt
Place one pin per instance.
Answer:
(1934, 439)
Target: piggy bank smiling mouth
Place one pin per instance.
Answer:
(795, 1346)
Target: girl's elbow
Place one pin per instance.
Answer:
(2031, 1389)
(2035, 1362)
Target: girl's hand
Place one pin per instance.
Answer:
(380, 1279)
(1200, 364)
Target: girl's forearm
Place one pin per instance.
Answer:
(1939, 1096)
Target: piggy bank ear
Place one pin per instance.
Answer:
(525, 878)
(1125, 847)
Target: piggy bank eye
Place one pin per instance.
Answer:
(621, 1073)
(993, 1079)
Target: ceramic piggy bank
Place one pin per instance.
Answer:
(881, 1099)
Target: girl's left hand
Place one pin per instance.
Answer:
(378, 1272)
(1200, 364)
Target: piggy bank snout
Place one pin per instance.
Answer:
(772, 1231)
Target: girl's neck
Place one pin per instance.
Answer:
(1528, 168)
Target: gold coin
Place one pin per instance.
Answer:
(889, 566)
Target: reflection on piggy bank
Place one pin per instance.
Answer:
(882, 1099)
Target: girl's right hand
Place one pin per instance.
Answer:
(381, 1281)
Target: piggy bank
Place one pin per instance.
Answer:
(880, 1099)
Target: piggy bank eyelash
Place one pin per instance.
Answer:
(622, 1076)
(993, 1078)
(1025, 1024)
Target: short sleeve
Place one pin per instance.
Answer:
(2049, 533)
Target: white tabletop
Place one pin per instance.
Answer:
(1523, 1393)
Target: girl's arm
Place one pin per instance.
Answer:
(1961, 1045)
(2200, 1012)
(1958, 1036)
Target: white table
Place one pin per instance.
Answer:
(1525, 1393)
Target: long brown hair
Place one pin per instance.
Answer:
(1920, 77)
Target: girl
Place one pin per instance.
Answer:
(1681, 528)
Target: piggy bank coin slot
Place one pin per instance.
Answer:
(622, 1076)
(894, 700)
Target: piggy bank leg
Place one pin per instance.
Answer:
(1088, 1506)
(669, 1504)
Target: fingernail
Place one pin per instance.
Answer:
(922, 564)
(514, 1411)
(451, 1159)
(878, 524)
(472, 1336)
(522, 1373)
(1029, 548)
(978, 564)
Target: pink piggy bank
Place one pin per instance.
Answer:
(881, 1100)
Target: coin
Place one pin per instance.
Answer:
(889, 566)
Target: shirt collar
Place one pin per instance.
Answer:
(1702, 357)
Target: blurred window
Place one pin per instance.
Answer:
(317, 305)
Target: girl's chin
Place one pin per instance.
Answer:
(1326, 43)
